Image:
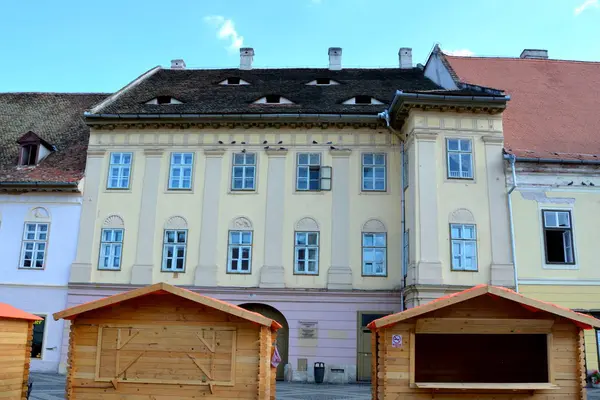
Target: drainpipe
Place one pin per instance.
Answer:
(512, 158)
(386, 116)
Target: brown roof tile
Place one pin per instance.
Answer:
(57, 118)
(554, 110)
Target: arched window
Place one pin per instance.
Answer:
(111, 243)
(306, 247)
(374, 248)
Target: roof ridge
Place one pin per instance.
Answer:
(523, 59)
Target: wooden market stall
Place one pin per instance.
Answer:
(164, 340)
(16, 332)
(486, 343)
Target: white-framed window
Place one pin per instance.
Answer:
(111, 248)
(174, 250)
(306, 253)
(35, 243)
(310, 174)
(239, 258)
(119, 172)
(373, 172)
(464, 247)
(243, 176)
(374, 247)
(180, 173)
(460, 158)
(558, 237)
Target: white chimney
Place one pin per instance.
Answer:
(246, 57)
(335, 58)
(405, 57)
(178, 64)
(534, 53)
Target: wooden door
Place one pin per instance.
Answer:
(282, 334)
(364, 355)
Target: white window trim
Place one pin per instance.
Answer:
(306, 247)
(182, 167)
(298, 165)
(230, 247)
(363, 248)
(244, 168)
(448, 152)
(112, 247)
(176, 245)
(121, 167)
(462, 241)
(567, 267)
(362, 172)
(24, 240)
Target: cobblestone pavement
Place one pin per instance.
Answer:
(52, 387)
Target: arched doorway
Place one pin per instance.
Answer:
(282, 334)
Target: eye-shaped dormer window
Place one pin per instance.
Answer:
(323, 82)
(234, 82)
(362, 100)
(273, 99)
(164, 100)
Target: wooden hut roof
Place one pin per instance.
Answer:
(8, 311)
(160, 288)
(582, 320)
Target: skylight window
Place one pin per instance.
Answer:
(273, 99)
(234, 81)
(164, 100)
(362, 100)
(323, 82)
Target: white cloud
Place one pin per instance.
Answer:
(584, 5)
(459, 53)
(226, 31)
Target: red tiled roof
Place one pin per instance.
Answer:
(8, 311)
(554, 111)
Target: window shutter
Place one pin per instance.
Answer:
(325, 178)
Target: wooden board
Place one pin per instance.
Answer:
(15, 352)
(486, 386)
(484, 325)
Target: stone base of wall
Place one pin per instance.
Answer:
(334, 373)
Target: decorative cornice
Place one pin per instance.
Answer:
(214, 152)
(153, 152)
(426, 136)
(340, 152)
(95, 152)
(111, 125)
(276, 152)
(493, 139)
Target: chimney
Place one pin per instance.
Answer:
(246, 57)
(178, 64)
(335, 58)
(405, 57)
(535, 53)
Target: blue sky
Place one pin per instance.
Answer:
(81, 46)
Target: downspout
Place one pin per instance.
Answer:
(386, 116)
(512, 158)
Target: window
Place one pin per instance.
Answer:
(234, 81)
(323, 82)
(273, 99)
(373, 172)
(35, 241)
(240, 252)
(558, 237)
(161, 100)
(374, 254)
(306, 259)
(244, 171)
(180, 175)
(362, 100)
(119, 171)
(464, 247)
(111, 247)
(460, 158)
(29, 154)
(37, 344)
(310, 175)
(174, 250)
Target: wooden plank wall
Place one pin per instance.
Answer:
(394, 364)
(165, 311)
(15, 353)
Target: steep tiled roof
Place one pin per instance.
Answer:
(56, 118)
(554, 108)
(200, 92)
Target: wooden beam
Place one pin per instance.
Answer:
(130, 364)
(486, 386)
(484, 325)
(120, 344)
(201, 368)
(211, 347)
(411, 352)
(581, 368)
(550, 351)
